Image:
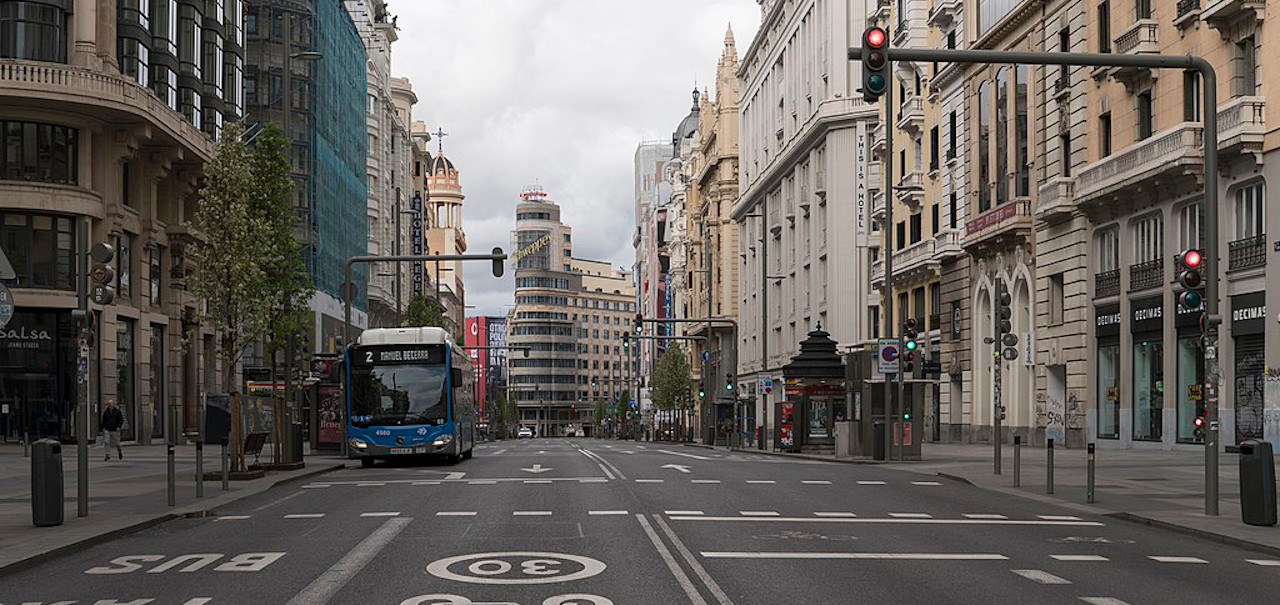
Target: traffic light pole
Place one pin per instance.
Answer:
(888, 230)
(1209, 87)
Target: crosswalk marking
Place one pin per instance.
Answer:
(381, 514)
(1163, 559)
(758, 513)
(871, 483)
(233, 517)
(834, 514)
(456, 513)
(531, 513)
(1079, 557)
(911, 515)
(1058, 517)
(607, 512)
(304, 516)
(984, 516)
(1042, 577)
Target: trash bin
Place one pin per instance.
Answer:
(880, 436)
(295, 437)
(1257, 483)
(46, 483)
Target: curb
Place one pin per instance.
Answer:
(1197, 533)
(79, 545)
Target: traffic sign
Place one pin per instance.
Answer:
(6, 305)
(888, 351)
(102, 295)
(102, 273)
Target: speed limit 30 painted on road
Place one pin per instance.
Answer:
(513, 568)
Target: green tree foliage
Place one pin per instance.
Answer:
(671, 379)
(600, 412)
(424, 312)
(289, 286)
(508, 414)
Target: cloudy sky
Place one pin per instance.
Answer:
(557, 93)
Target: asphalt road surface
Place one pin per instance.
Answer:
(596, 522)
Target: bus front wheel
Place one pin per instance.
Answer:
(366, 462)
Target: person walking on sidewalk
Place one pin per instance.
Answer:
(112, 420)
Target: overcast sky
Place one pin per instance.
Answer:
(557, 93)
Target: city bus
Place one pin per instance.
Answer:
(409, 393)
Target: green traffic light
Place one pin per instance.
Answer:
(876, 83)
(911, 345)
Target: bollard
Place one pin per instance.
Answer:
(200, 469)
(26, 443)
(1089, 493)
(173, 478)
(1048, 467)
(1017, 461)
(225, 477)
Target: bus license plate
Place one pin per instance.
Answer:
(408, 450)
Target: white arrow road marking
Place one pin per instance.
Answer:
(323, 588)
(1042, 577)
(679, 467)
(537, 468)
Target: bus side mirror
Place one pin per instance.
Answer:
(455, 377)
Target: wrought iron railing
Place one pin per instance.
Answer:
(1145, 275)
(1186, 6)
(1106, 283)
(1248, 252)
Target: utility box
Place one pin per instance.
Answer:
(46, 483)
(1257, 483)
(295, 441)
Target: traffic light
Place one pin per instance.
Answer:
(1200, 420)
(910, 332)
(1010, 342)
(875, 64)
(626, 340)
(1004, 308)
(702, 389)
(639, 323)
(1191, 280)
(909, 361)
(906, 413)
(728, 382)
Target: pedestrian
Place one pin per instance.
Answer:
(112, 420)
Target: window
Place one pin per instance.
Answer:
(41, 248)
(1109, 391)
(935, 218)
(1190, 226)
(1148, 238)
(916, 227)
(1064, 148)
(1057, 298)
(1190, 96)
(902, 235)
(124, 265)
(1104, 134)
(1108, 250)
(1146, 115)
(1148, 389)
(951, 134)
(135, 60)
(125, 188)
(1002, 135)
(951, 39)
(991, 12)
(154, 254)
(954, 207)
(43, 153)
(1021, 129)
(1104, 27)
(1142, 9)
(981, 141)
(1064, 45)
(933, 149)
(1250, 211)
(33, 31)
(1246, 67)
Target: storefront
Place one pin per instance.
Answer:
(1190, 367)
(1147, 325)
(1107, 331)
(1248, 326)
(38, 372)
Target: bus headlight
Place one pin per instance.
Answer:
(357, 443)
(442, 440)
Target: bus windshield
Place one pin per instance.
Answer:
(399, 395)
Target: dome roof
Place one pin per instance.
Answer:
(439, 164)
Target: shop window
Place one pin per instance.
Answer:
(126, 383)
(154, 278)
(41, 248)
(1109, 391)
(1148, 388)
(1190, 377)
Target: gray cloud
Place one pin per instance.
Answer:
(558, 93)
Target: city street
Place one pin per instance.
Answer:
(584, 521)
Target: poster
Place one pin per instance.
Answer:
(329, 412)
(786, 429)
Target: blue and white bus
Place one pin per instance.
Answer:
(409, 393)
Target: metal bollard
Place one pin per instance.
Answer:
(1048, 467)
(226, 478)
(173, 477)
(1017, 461)
(1089, 493)
(200, 469)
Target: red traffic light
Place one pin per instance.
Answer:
(1199, 421)
(876, 37)
(1191, 258)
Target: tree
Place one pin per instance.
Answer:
(424, 312)
(600, 412)
(508, 413)
(231, 277)
(671, 379)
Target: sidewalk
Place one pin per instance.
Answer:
(124, 496)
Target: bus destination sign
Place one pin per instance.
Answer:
(399, 354)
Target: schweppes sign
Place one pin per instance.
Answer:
(541, 243)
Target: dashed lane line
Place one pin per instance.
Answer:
(1043, 577)
(304, 516)
(537, 481)
(760, 482)
(1058, 517)
(649, 480)
(835, 514)
(871, 483)
(234, 517)
(706, 481)
(926, 483)
(911, 515)
(888, 556)
(1103, 601)
(606, 512)
(816, 482)
(531, 513)
(1165, 559)
(371, 484)
(890, 521)
(456, 513)
(381, 514)
(682, 513)
(425, 483)
(759, 513)
(316, 486)
(1264, 562)
(1079, 558)
(984, 516)
(484, 482)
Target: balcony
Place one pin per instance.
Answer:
(1146, 275)
(1140, 39)
(1222, 14)
(1188, 12)
(1106, 283)
(877, 139)
(820, 183)
(910, 189)
(1177, 152)
(1057, 200)
(877, 273)
(916, 258)
(944, 13)
(911, 114)
(947, 244)
(1241, 126)
(877, 206)
(991, 228)
(1247, 253)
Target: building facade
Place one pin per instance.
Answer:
(489, 360)
(445, 235)
(653, 255)
(108, 111)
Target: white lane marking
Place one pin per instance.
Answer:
(484, 482)
(594, 481)
(834, 514)
(759, 513)
(537, 469)
(911, 515)
(456, 513)
(649, 480)
(498, 452)
(816, 482)
(984, 516)
(750, 482)
(926, 483)
(1079, 557)
(605, 465)
(683, 579)
(304, 516)
(531, 513)
(680, 467)
(693, 563)
(233, 517)
(323, 588)
(1058, 517)
(1264, 562)
(1103, 601)
(871, 483)
(908, 556)
(1162, 559)
(881, 520)
(607, 512)
(316, 485)
(454, 476)
(381, 514)
(425, 483)
(371, 484)
(704, 481)
(1043, 577)
(694, 456)
(682, 513)
(536, 481)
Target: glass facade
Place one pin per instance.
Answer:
(1109, 391)
(1190, 377)
(33, 31)
(1148, 388)
(37, 372)
(126, 383)
(45, 153)
(40, 248)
